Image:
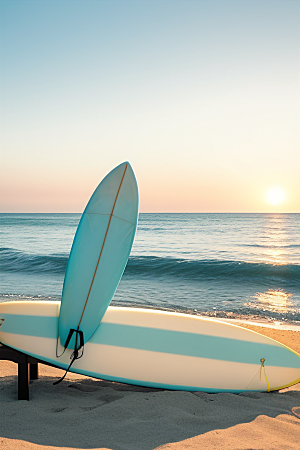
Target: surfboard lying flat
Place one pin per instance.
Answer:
(99, 253)
(157, 349)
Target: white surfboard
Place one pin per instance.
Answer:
(157, 349)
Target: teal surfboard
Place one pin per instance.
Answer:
(99, 253)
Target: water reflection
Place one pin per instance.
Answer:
(273, 300)
(275, 239)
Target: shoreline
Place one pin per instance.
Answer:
(275, 324)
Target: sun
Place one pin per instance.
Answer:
(275, 196)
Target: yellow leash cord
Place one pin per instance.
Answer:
(263, 370)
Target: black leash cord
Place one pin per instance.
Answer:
(75, 355)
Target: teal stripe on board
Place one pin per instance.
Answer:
(196, 345)
(38, 326)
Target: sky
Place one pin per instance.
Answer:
(201, 97)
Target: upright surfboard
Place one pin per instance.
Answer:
(99, 253)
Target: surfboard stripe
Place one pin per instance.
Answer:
(39, 326)
(195, 345)
(163, 341)
(104, 240)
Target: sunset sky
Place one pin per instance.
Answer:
(201, 97)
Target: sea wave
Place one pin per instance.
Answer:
(212, 269)
(13, 260)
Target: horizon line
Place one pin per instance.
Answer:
(158, 212)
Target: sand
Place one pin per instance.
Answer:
(85, 413)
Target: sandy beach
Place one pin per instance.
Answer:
(85, 413)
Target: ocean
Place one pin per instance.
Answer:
(244, 266)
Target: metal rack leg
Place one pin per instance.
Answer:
(23, 381)
(34, 371)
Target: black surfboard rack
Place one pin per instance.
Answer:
(27, 368)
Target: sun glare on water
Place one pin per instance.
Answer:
(275, 196)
